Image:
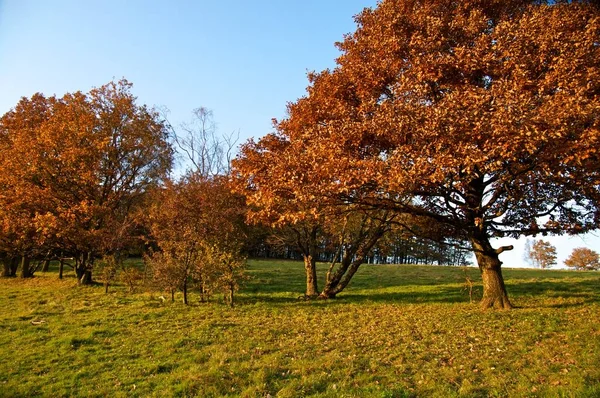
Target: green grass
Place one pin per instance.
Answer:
(397, 331)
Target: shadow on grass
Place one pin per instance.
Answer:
(284, 283)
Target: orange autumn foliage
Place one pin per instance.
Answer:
(480, 115)
(73, 168)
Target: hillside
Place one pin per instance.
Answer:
(396, 331)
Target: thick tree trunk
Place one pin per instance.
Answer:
(9, 266)
(83, 269)
(14, 265)
(26, 271)
(310, 267)
(494, 290)
(86, 278)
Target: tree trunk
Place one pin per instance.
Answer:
(83, 269)
(352, 260)
(61, 268)
(46, 266)
(9, 266)
(172, 295)
(26, 271)
(494, 290)
(14, 265)
(86, 278)
(231, 289)
(106, 287)
(185, 291)
(310, 267)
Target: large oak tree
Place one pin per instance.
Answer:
(479, 115)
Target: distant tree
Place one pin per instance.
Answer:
(583, 258)
(527, 252)
(205, 151)
(542, 254)
(478, 115)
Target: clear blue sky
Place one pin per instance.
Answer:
(243, 59)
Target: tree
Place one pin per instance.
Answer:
(75, 168)
(527, 252)
(270, 173)
(197, 224)
(542, 254)
(208, 153)
(481, 116)
(583, 258)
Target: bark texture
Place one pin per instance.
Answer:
(494, 290)
(310, 266)
(26, 270)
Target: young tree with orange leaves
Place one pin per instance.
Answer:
(480, 115)
(197, 224)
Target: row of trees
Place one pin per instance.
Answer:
(542, 254)
(86, 177)
(453, 122)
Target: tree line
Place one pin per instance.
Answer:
(442, 126)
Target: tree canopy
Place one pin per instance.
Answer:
(481, 116)
(73, 169)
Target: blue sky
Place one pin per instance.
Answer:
(243, 59)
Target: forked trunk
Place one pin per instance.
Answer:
(351, 261)
(83, 269)
(310, 267)
(335, 286)
(86, 278)
(494, 290)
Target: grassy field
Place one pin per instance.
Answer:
(397, 331)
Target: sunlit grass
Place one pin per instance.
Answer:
(397, 331)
